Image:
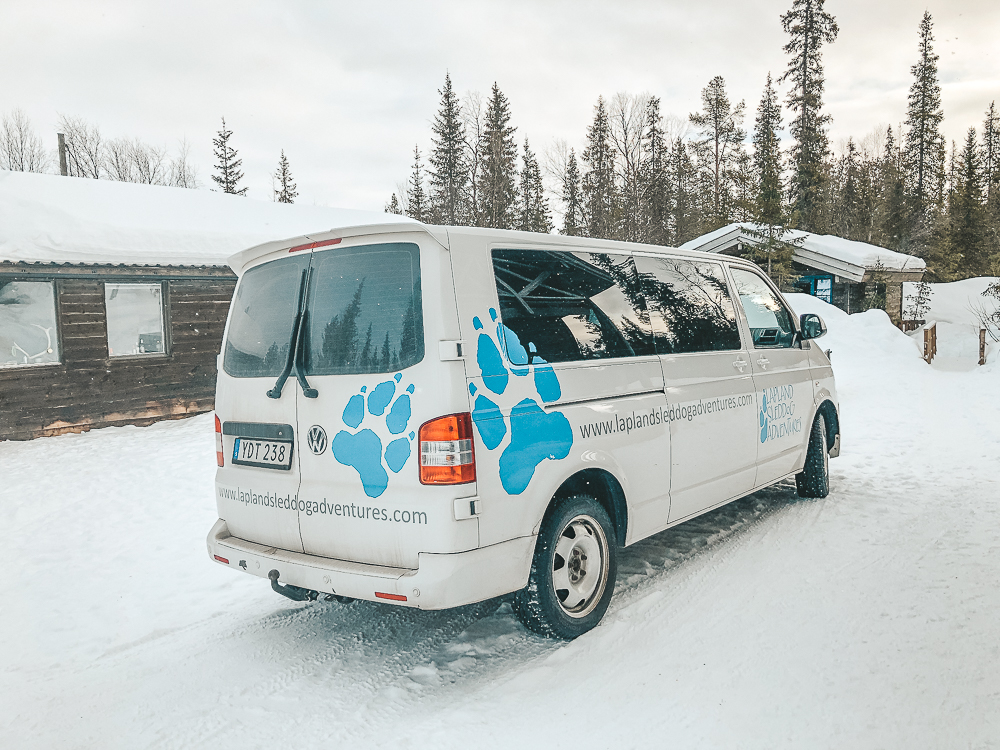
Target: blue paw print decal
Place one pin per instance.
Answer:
(362, 450)
(763, 417)
(534, 434)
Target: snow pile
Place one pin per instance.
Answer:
(865, 620)
(954, 302)
(53, 219)
(956, 307)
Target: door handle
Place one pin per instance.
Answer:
(763, 362)
(740, 364)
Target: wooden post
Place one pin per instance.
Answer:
(63, 168)
(982, 346)
(930, 342)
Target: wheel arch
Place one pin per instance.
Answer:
(604, 487)
(832, 420)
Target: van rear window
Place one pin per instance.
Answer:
(261, 319)
(362, 313)
(365, 312)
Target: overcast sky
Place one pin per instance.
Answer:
(348, 88)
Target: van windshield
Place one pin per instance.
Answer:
(363, 313)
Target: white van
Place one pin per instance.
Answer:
(434, 416)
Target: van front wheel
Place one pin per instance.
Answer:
(814, 479)
(573, 571)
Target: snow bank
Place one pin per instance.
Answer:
(955, 307)
(53, 219)
(955, 301)
(864, 620)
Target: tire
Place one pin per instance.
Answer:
(573, 570)
(814, 479)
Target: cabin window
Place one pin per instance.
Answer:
(28, 323)
(135, 319)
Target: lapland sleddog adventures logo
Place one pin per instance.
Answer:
(777, 413)
(534, 434)
(362, 450)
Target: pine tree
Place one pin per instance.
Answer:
(772, 247)
(991, 154)
(227, 164)
(718, 147)
(654, 183)
(448, 175)
(497, 180)
(991, 180)
(685, 217)
(809, 27)
(968, 219)
(769, 207)
(600, 196)
(393, 207)
(847, 215)
(923, 152)
(286, 190)
(893, 217)
(572, 198)
(416, 199)
(533, 208)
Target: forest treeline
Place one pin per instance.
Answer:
(646, 177)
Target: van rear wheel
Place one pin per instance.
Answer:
(814, 479)
(573, 571)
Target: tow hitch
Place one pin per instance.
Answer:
(294, 593)
(298, 594)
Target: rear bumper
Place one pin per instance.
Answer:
(441, 580)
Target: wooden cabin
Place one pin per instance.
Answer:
(114, 296)
(831, 268)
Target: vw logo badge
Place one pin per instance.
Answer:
(316, 439)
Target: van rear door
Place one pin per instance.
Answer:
(257, 486)
(373, 304)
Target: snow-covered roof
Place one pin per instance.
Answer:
(825, 252)
(54, 219)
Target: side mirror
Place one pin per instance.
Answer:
(811, 325)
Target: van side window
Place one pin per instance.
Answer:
(566, 307)
(770, 322)
(689, 304)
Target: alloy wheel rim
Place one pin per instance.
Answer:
(580, 566)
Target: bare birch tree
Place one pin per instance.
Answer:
(85, 147)
(473, 124)
(627, 111)
(21, 149)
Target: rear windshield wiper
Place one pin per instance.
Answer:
(292, 360)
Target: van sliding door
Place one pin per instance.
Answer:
(710, 391)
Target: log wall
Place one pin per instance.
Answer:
(90, 389)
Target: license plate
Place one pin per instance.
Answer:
(267, 454)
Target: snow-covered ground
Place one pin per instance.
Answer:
(870, 619)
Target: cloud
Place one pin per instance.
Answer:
(347, 88)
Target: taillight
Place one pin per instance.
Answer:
(446, 453)
(219, 458)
